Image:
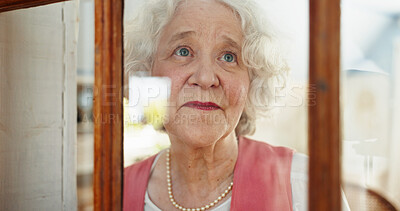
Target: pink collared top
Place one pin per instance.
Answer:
(261, 179)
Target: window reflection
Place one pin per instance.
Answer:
(370, 96)
(85, 88)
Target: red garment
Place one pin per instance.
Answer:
(261, 179)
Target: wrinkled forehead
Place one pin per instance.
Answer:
(189, 7)
(205, 15)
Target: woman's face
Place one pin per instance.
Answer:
(200, 51)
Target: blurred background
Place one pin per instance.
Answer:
(85, 80)
(370, 99)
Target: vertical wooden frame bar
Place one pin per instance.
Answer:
(324, 109)
(107, 110)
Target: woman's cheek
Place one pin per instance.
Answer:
(174, 95)
(237, 94)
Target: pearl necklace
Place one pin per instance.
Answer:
(171, 195)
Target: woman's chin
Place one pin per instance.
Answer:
(197, 128)
(198, 136)
(196, 142)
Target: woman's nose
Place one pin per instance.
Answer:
(205, 75)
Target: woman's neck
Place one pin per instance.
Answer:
(201, 171)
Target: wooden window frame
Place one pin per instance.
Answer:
(323, 112)
(107, 97)
(9, 5)
(108, 105)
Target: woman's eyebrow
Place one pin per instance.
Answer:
(181, 35)
(231, 42)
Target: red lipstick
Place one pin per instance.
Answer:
(208, 106)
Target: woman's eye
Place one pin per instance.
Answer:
(182, 52)
(229, 57)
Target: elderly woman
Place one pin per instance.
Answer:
(223, 65)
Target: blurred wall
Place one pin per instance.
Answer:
(38, 108)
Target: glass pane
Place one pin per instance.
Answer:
(289, 107)
(370, 104)
(144, 105)
(192, 80)
(85, 87)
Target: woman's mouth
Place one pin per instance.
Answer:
(208, 106)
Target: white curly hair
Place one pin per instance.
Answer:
(261, 52)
